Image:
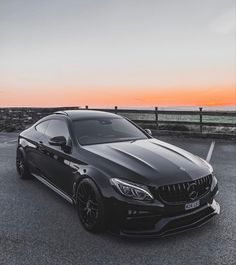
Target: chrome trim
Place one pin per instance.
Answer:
(62, 194)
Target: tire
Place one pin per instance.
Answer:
(21, 165)
(90, 206)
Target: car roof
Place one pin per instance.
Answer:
(86, 114)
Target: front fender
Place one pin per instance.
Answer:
(101, 179)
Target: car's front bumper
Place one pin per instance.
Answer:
(174, 224)
(153, 221)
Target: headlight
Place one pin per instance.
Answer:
(131, 190)
(207, 164)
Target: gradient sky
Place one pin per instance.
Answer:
(117, 52)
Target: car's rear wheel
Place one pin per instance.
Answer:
(90, 206)
(21, 166)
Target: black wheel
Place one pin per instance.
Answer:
(21, 166)
(90, 206)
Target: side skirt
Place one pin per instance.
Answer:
(59, 192)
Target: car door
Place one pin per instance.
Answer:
(55, 164)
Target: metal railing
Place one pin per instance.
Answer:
(199, 117)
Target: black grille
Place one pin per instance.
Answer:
(186, 191)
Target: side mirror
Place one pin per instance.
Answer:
(58, 141)
(148, 131)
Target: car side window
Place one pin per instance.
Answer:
(41, 127)
(57, 128)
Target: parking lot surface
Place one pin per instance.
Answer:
(39, 227)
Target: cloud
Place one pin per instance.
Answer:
(225, 23)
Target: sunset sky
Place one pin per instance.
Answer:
(130, 53)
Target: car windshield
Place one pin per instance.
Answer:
(106, 130)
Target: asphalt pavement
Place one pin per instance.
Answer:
(39, 227)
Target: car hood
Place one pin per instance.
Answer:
(148, 161)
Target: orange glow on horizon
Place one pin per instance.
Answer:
(130, 97)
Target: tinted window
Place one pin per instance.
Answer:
(57, 128)
(106, 130)
(41, 127)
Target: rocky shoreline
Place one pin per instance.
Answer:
(17, 119)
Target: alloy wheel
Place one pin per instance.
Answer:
(88, 206)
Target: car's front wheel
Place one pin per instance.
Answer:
(21, 165)
(90, 206)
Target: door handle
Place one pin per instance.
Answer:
(40, 143)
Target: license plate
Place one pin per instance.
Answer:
(192, 205)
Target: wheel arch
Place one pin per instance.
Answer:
(79, 180)
(98, 178)
(21, 150)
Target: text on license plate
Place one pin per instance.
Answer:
(192, 205)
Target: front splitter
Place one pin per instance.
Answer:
(175, 224)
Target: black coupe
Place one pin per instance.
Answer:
(118, 176)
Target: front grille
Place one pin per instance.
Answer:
(185, 191)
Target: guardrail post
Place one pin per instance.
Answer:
(156, 117)
(116, 109)
(86, 107)
(200, 116)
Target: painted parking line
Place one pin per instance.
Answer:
(10, 142)
(209, 155)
